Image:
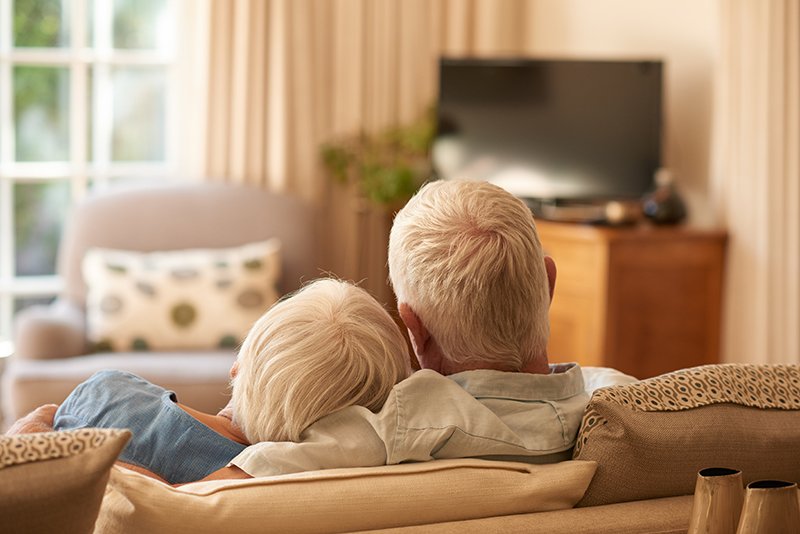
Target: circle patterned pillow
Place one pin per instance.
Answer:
(175, 300)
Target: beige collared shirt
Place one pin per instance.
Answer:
(519, 416)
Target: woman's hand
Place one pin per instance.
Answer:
(39, 420)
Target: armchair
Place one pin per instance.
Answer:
(52, 351)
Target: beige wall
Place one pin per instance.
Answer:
(684, 33)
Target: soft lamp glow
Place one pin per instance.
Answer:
(6, 348)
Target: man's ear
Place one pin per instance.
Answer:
(416, 330)
(550, 267)
(428, 353)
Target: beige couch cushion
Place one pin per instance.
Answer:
(650, 438)
(340, 500)
(54, 482)
(669, 515)
(175, 300)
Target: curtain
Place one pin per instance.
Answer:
(284, 76)
(756, 183)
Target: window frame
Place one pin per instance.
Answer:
(78, 171)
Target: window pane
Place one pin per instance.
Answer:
(41, 113)
(41, 23)
(39, 212)
(25, 302)
(140, 24)
(138, 122)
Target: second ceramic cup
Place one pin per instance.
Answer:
(770, 507)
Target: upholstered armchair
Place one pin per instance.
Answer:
(53, 353)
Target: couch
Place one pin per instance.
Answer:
(53, 353)
(633, 471)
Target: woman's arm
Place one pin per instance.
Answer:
(39, 420)
(141, 471)
(226, 473)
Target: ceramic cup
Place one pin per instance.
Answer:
(770, 507)
(718, 496)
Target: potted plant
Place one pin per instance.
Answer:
(387, 166)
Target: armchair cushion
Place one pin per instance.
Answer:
(650, 438)
(174, 300)
(55, 481)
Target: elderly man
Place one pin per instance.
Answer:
(473, 288)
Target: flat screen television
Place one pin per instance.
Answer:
(551, 129)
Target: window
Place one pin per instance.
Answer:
(87, 98)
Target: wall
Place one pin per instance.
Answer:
(684, 33)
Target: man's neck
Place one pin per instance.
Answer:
(536, 366)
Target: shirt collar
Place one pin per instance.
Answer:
(564, 381)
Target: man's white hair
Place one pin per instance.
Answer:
(328, 346)
(466, 258)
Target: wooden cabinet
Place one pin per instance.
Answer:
(644, 300)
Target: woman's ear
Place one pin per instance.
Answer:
(234, 369)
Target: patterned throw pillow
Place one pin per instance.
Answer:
(175, 300)
(650, 438)
(55, 481)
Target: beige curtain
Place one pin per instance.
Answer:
(757, 177)
(286, 75)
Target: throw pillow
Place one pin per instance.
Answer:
(55, 481)
(651, 438)
(186, 299)
(343, 500)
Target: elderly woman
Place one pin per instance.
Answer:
(328, 346)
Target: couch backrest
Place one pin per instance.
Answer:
(185, 216)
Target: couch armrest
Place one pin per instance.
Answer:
(54, 331)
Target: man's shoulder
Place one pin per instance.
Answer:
(429, 385)
(423, 378)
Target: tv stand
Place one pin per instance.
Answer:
(642, 299)
(613, 212)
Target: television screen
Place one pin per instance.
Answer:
(551, 129)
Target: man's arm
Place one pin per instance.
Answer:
(342, 439)
(39, 420)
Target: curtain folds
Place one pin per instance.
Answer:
(756, 184)
(284, 76)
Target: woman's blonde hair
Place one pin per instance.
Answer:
(466, 258)
(328, 346)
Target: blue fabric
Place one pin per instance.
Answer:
(166, 440)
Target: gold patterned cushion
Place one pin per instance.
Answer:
(650, 438)
(55, 481)
(186, 299)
